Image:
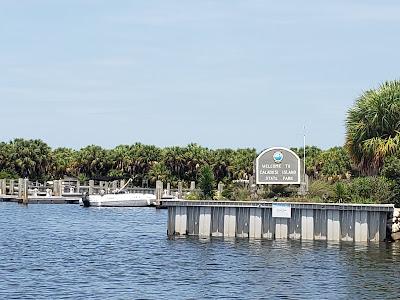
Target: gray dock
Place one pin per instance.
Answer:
(307, 221)
(70, 190)
(41, 200)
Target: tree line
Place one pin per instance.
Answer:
(36, 160)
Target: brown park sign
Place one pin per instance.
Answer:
(278, 166)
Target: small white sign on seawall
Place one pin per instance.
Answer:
(281, 210)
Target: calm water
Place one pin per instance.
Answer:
(70, 252)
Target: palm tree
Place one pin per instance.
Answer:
(194, 156)
(242, 164)
(333, 162)
(30, 158)
(221, 160)
(62, 162)
(312, 153)
(4, 156)
(139, 159)
(206, 181)
(158, 171)
(174, 160)
(373, 127)
(119, 160)
(92, 162)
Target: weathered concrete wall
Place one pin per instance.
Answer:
(331, 222)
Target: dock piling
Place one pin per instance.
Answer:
(11, 187)
(180, 195)
(159, 189)
(25, 183)
(3, 187)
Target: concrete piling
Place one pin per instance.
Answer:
(281, 228)
(11, 187)
(57, 188)
(168, 188)
(307, 224)
(25, 183)
(333, 229)
(361, 226)
(255, 229)
(180, 194)
(3, 187)
(180, 220)
(229, 221)
(122, 183)
(159, 189)
(91, 187)
(205, 222)
(20, 187)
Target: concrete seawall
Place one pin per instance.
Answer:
(307, 221)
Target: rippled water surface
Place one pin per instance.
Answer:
(70, 252)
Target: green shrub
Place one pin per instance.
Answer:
(241, 194)
(281, 191)
(227, 193)
(115, 174)
(218, 196)
(371, 190)
(82, 177)
(206, 181)
(322, 189)
(193, 196)
(334, 162)
(341, 192)
(6, 174)
(236, 193)
(391, 168)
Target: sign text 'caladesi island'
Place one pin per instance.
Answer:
(278, 165)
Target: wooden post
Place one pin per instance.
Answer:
(253, 188)
(56, 186)
(168, 188)
(192, 185)
(20, 187)
(220, 188)
(11, 187)
(56, 191)
(180, 190)
(3, 186)
(91, 187)
(25, 183)
(114, 185)
(159, 189)
(61, 187)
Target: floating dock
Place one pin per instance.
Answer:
(257, 220)
(42, 199)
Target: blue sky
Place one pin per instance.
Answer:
(221, 73)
